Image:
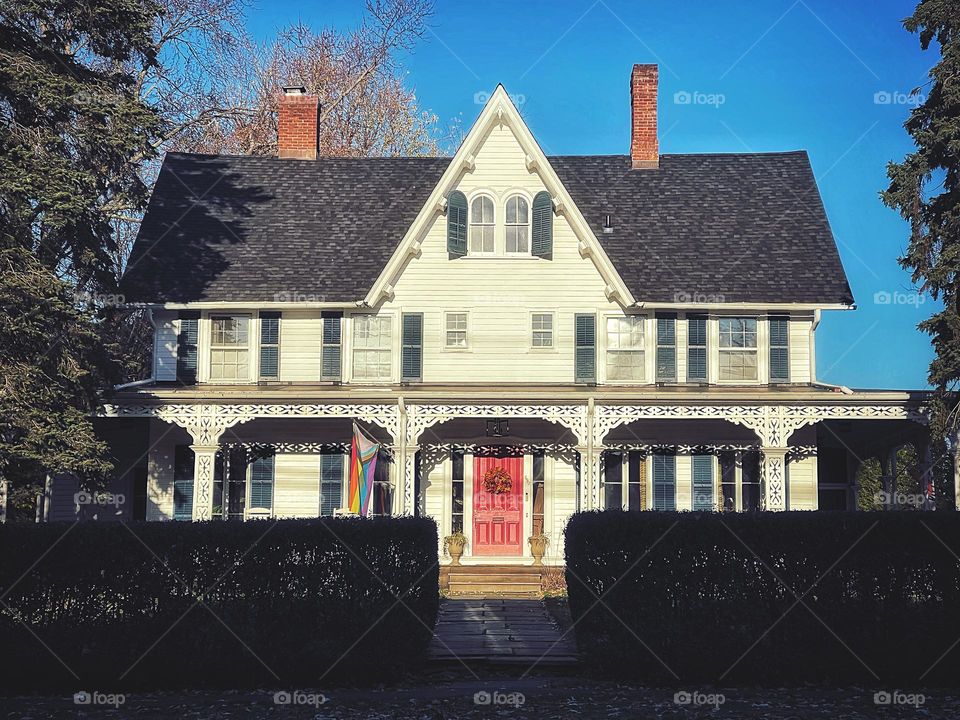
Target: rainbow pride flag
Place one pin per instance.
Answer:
(363, 464)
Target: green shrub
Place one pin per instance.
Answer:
(285, 603)
(879, 596)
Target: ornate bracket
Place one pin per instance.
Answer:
(422, 417)
(206, 422)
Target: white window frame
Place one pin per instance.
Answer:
(644, 348)
(211, 347)
(392, 347)
(741, 350)
(552, 347)
(471, 224)
(445, 331)
(527, 225)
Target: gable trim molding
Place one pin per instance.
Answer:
(499, 110)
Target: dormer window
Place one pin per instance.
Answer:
(518, 225)
(481, 226)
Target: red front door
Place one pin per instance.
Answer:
(498, 518)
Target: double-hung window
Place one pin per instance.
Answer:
(625, 481)
(230, 347)
(626, 361)
(455, 332)
(481, 226)
(738, 349)
(542, 330)
(518, 225)
(372, 347)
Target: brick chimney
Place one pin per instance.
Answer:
(297, 124)
(644, 147)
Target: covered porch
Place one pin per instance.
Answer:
(563, 450)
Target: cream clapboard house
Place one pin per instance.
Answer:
(631, 332)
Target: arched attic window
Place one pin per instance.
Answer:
(481, 226)
(518, 225)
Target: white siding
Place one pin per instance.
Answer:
(684, 483)
(499, 293)
(562, 501)
(803, 483)
(800, 348)
(160, 470)
(297, 485)
(300, 335)
(165, 345)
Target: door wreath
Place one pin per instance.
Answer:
(497, 481)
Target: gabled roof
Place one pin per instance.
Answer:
(238, 228)
(733, 228)
(738, 228)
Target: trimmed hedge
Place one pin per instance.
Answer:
(686, 584)
(297, 606)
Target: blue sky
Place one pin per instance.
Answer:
(831, 78)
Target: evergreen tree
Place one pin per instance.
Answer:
(925, 189)
(69, 124)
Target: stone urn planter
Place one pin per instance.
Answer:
(453, 545)
(538, 548)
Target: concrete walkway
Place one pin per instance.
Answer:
(500, 632)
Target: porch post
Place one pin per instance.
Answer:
(410, 499)
(3, 499)
(773, 468)
(586, 465)
(204, 461)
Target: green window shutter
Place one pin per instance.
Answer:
(270, 345)
(457, 224)
(585, 359)
(696, 348)
(779, 349)
(542, 234)
(702, 466)
(412, 348)
(666, 348)
(331, 346)
(187, 341)
(664, 482)
(261, 483)
(331, 482)
(183, 464)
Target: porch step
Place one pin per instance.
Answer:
(481, 569)
(491, 588)
(494, 576)
(493, 581)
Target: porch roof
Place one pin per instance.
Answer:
(515, 393)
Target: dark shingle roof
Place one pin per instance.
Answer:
(734, 228)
